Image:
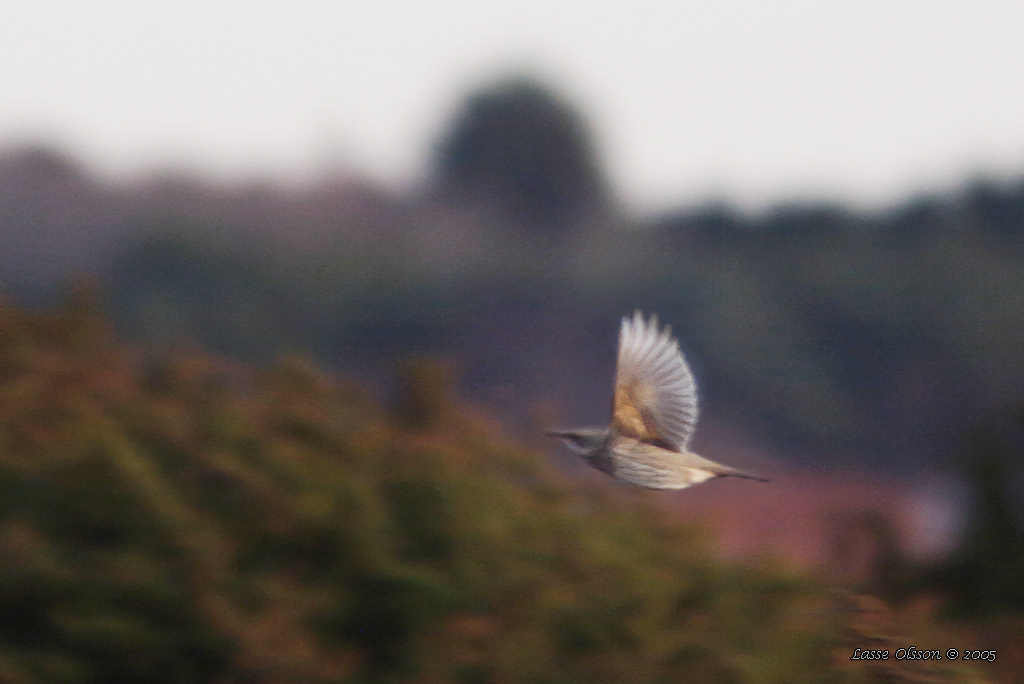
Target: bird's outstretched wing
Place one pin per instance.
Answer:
(655, 394)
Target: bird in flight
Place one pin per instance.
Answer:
(654, 413)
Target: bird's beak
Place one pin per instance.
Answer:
(558, 434)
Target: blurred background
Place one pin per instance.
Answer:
(291, 292)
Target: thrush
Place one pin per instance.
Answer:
(654, 413)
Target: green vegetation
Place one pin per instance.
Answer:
(176, 518)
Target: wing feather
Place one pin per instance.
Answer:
(655, 393)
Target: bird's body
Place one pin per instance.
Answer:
(654, 413)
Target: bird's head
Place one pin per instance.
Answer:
(584, 441)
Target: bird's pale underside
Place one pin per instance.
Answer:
(654, 413)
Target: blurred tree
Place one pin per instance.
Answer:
(919, 217)
(714, 222)
(995, 207)
(986, 575)
(520, 148)
(803, 219)
(173, 287)
(49, 206)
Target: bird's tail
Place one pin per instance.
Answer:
(732, 472)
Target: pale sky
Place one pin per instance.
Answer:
(745, 100)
